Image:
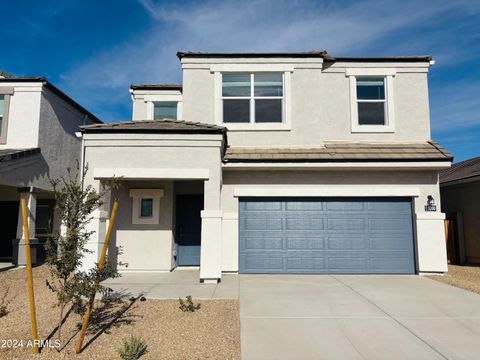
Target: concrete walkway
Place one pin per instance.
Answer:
(172, 285)
(356, 317)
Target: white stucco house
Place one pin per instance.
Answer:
(38, 127)
(275, 163)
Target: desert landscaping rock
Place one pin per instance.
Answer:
(213, 332)
(465, 277)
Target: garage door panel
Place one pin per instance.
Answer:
(389, 225)
(263, 223)
(347, 263)
(304, 206)
(390, 243)
(306, 223)
(262, 264)
(305, 241)
(344, 206)
(305, 264)
(263, 243)
(396, 264)
(326, 235)
(347, 242)
(346, 223)
(264, 205)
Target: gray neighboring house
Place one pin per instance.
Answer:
(275, 163)
(460, 192)
(38, 125)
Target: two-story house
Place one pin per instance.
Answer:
(275, 163)
(38, 142)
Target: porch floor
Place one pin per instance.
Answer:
(172, 285)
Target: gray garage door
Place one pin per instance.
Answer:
(326, 235)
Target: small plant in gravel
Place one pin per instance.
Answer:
(188, 305)
(132, 348)
(4, 301)
(65, 250)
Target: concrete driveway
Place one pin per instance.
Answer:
(356, 317)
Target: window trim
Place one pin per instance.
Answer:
(285, 125)
(6, 92)
(137, 195)
(388, 77)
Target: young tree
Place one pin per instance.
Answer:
(66, 249)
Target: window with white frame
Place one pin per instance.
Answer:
(253, 97)
(371, 101)
(2, 107)
(146, 205)
(165, 110)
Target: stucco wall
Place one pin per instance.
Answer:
(23, 115)
(320, 106)
(38, 118)
(465, 198)
(146, 246)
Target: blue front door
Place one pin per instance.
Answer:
(188, 229)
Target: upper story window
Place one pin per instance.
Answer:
(165, 110)
(371, 101)
(371, 96)
(252, 98)
(2, 109)
(5, 95)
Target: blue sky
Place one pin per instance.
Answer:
(93, 50)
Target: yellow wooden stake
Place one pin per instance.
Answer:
(33, 315)
(101, 263)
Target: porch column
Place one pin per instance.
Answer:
(211, 242)
(18, 258)
(98, 227)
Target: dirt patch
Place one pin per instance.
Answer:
(465, 277)
(213, 332)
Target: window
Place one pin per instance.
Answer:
(2, 109)
(371, 102)
(146, 207)
(5, 94)
(165, 110)
(252, 98)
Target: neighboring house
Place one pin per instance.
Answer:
(38, 123)
(326, 167)
(460, 192)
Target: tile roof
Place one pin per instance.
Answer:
(154, 126)
(14, 154)
(428, 151)
(462, 170)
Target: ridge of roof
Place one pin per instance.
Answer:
(162, 125)
(53, 89)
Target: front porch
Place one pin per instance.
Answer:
(178, 283)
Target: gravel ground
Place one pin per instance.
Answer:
(465, 277)
(213, 332)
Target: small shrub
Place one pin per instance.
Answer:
(132, 348)
(4, 301)
(187, 305)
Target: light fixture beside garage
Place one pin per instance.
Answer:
(430, 204)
